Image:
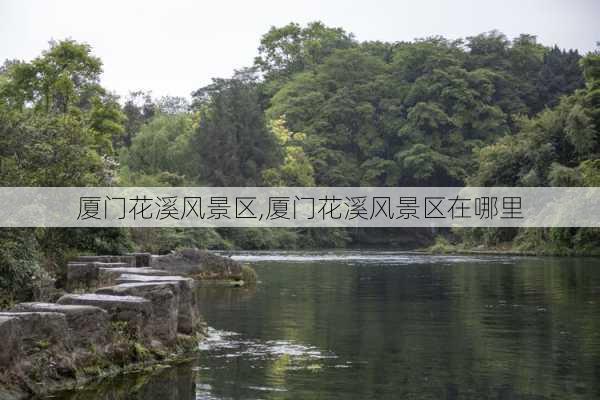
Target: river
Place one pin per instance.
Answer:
(385, 325)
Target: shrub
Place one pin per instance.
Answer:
(19, 265)
(249, 275)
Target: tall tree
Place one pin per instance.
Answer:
(291, 49)
(232, 140)
(57, 126)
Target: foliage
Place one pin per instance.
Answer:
(249, 275)
(162, 145)
(138, 109)
(19, 265)
(296, 169)
(291, 49)
(317, 108)
(232, 141)
(558, 147)
(164, 240)
(57, 128)
(416, 113)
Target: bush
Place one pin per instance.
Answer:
(587, 241)
(19, 265)
(249, 275)
(59, 245)
(324, 238)
(164, 240)
(260, 238)
(442, 246)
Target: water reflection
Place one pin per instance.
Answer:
(393, 325)
(229, 351)
(169, 383)
(230, 344)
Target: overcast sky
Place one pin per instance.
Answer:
(173, 47)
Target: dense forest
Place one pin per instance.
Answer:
(317, 107)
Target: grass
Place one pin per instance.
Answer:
(249, 275)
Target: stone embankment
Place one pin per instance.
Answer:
(121, 313)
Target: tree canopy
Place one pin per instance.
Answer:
(318, 107)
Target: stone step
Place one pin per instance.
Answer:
(164, 297)
(128, 259)
(108, 276)
(188, 316)
(89, 325)
(9, 334)
(142, 259)
(27, 333)
(199, 263)
(135, 311)
(157, 278)
(85, 274)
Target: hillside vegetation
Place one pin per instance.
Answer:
(317, 107)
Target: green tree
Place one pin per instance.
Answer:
(138, 109)
(292, 48)
(57, 126)
(558, 147)
(232, 140)
(559, 75)
(162, 145)
(296, 169)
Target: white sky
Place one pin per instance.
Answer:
(173, 47)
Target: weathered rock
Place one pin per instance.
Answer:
(113, 265)
(9, 335)
(199, 263)
(27, 333)
(84, 275)
(81, 275)
(165, 305)
(45, 288)
(108, 276)
(88, 325)
(141, 259)
(128, 259)
(135, 311)
(188, 318)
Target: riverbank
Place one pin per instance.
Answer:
(443, 246)
(44, 376)
(122, 314)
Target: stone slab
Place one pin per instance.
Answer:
(108, 276)
(130, 260)
(133, 310)
(9, 335)
(81, 275)
(88, 325)
(188, 315)
(164, 297)
(141, 259)
(85, 275)
(26, 333)
(199, 263)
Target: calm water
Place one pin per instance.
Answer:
(379, 325)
